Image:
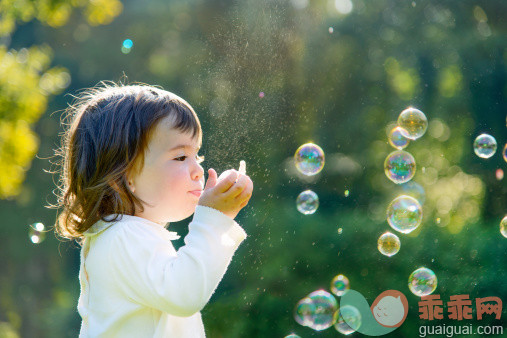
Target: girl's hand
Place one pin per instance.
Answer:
(228, 193)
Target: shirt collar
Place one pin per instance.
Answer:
(112, 219)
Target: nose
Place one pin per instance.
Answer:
(197, 172)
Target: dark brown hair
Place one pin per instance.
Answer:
(108, 129)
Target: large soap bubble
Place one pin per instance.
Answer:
(396, 138)
(485, 146)
(307, 202)
(339, 285)
(304, 311)
(388, 244)
(422, 282)
(325, 310)
(399, 166)
(503, 227)
(404, 214)
(309, 159)
(413, 123)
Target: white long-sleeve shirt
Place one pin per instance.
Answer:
(135, 284)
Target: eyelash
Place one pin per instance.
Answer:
(200, 159)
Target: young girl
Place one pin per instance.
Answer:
(131, 165)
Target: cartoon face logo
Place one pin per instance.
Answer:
(390, 308)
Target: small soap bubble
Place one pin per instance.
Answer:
(309, 159)
(413, 123)
(499, 174)
(261, 95)
(339, 285)
(127, 46)
(349, 320)
(37, 233)
(404, 214)
(346, 193)
(437, 220)
(399, 166)
(396, 138)
(331, 30)
(340, 230)
(503, 227)
(504, 152)
(485, 146)
(388, 244)
(307, 202)
(292, 335)
(325, 310)
(303, 313)
(422, 282)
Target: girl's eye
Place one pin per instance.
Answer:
(199, 159)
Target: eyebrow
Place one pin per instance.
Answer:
(184, 146)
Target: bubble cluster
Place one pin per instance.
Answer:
(404, 214)
(503, 227)
(485, 146)
(349, 320)
(126, 46)
(37, 233)
(307, 202)
(396, 138)
(422, 282)
(309, 159)
(413, 123)
(388, 244)
(399, 166)
(339, 285)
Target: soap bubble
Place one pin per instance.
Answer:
(413, 123)
(503, 227)
(404, 214)
(346, 193)
(292, 335)
(399, 166)
(325, 310)
(396, 138)
(485, 146)
(504, 152)
(37, 233)
(309, 159)
(499, 174)
(349, 320)
(388, 244)
(339, 285)
(422, 282)
(415, 190)
(303, 313)
(307, 202)
(261, 95)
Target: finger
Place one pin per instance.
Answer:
(227, 182)
(238, 187)
(212, 179)
(246, 193)
(242, 167)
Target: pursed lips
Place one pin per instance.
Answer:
(196, 192)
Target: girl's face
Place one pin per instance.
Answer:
(172, 179)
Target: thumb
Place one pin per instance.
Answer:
(212, 179)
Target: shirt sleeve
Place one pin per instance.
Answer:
(150, 272)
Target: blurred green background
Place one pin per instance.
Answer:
(337, 73)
